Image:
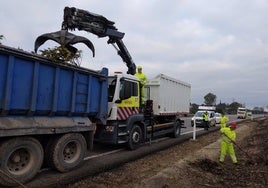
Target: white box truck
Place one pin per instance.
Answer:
(169, 95)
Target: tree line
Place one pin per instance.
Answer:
(210, 100)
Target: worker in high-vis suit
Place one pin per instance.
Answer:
(227, 146)
(143, 80)
(205, 120)
(223, 120)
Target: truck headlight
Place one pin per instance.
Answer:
(109, 128)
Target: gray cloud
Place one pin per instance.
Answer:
(216, 46)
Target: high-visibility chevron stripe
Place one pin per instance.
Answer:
(124, 112)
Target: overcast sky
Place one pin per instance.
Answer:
(217, 46)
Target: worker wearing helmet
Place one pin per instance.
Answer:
(223, 120)
(228, 137)
(143, 80)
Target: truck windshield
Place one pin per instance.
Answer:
(111, 89)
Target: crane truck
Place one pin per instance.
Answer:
(50, 113)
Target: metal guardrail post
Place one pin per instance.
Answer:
(194, 131)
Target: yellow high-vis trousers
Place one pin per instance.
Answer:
(227, 147)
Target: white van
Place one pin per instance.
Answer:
(198, 117)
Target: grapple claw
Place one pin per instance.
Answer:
(64, 38)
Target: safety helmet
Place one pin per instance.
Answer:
(139, 67)
(233, 124)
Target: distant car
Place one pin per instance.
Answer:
(218, 117)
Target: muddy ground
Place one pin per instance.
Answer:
(195, 164)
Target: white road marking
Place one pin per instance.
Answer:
(103, 154)
(191, 131)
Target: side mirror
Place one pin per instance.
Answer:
(118, 101)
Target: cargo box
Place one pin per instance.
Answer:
(31, 85)
(170, 96)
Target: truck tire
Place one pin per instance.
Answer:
(135, 138)
(21, 159)
(212, 123)
(66, 152)
(177, 130)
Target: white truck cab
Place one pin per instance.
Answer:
(123, 96)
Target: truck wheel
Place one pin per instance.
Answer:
(21, 159)
(177, 130)
(212, 123)
(66, 152)
(135, 137)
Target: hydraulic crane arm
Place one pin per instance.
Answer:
(102, 27)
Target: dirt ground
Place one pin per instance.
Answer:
(195, 164)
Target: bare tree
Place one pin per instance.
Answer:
(62, 54)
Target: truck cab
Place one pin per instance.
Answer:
(123, 110)
(123, 96)
(241, 113)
